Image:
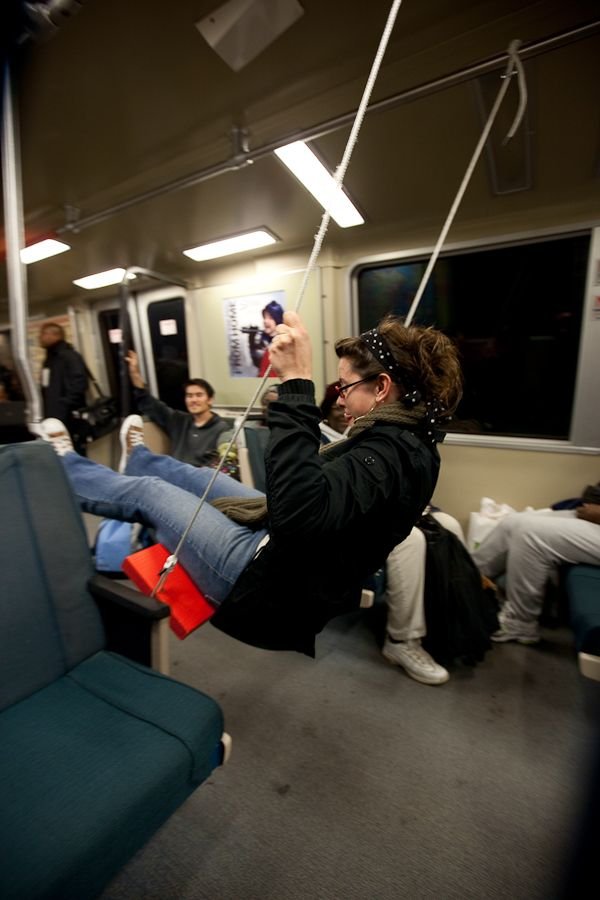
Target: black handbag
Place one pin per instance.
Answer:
(99, 417)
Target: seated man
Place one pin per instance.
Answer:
(405, 597)
(528, 546)
(195, 434)
(333, 425)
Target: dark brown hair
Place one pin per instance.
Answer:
(55, 327)
(201, 383)
(427, 358)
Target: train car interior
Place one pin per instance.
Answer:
(153, 202)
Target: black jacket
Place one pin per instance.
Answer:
(333, 519)
(189, 443)
(65, 381)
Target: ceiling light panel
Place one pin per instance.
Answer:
(226, 247)
(311, 172)
(101, 279)
(43, 250)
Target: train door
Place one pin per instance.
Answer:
(107, 334)
(163, 327)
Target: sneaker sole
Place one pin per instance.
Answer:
(506, 638)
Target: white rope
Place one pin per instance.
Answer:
(171, 561)
(513, 63)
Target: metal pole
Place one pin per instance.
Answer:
(16, 274)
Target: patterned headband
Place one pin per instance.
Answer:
(435, 414)
(378, 347)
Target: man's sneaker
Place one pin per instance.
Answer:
(415, 661)
(132, 435)
(53, 431)
(516, 630)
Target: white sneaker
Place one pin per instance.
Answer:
(516, 630)
(132, 435)
(415, 661)
(53, 431)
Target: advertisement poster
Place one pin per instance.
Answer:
(250, 324)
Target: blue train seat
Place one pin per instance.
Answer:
(583, 590)
(96, 749)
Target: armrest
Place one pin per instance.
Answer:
(135, 626)
(128, 598)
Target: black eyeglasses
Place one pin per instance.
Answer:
(342, 388)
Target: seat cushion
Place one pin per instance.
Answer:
(90, 767)
(583, 589)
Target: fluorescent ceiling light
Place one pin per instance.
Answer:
(308, 169)
(237, 244)
(102, 279)
(42, 250)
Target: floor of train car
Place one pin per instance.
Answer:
(349, 781)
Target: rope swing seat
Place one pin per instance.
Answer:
(188, 606)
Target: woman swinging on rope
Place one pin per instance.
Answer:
(278, 566)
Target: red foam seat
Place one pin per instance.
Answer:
(189, 607)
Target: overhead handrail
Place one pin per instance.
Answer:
(243, 156)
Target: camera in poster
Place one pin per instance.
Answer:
(250, 324)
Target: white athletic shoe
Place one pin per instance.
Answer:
(516, 630)
(132, 435)
(415, 661)
(53, 431)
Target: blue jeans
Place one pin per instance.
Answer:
(163, 493)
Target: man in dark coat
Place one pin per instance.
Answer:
(64, 380)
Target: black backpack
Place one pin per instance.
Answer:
(459, 613)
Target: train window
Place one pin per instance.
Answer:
(166, 321)
(515, 312)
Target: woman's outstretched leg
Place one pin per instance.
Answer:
(138, 460)
(216, 550)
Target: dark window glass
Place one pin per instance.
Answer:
(515, 314)
(108, 320)
(166, 319)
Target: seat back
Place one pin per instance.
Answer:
(256, 442)
(48, 621)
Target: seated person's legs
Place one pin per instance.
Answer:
(138, 460)
(529, 546)
(216, 549)
(194, 479)
(406, 615)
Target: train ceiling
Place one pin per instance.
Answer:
(126, 110)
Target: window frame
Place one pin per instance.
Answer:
(584, 431)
